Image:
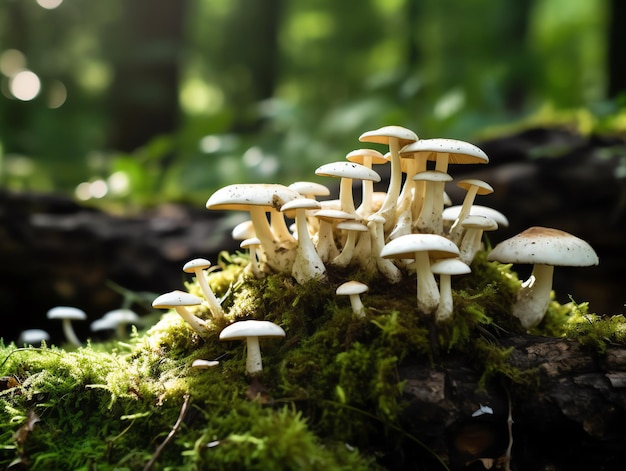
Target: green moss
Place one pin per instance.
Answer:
(329, 396)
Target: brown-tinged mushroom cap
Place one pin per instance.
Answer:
(545, 248)
(445, 151)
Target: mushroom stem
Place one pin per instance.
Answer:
(69, 333)
(308, 264)
(534, 296)
(427, 290)
(357, 305)
(445, 307)
(254, 363)
(390, 271)
(195, 322)
(214, 304)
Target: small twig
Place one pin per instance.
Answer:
(179, 421)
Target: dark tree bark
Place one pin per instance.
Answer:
(144, 94)
(616, 47)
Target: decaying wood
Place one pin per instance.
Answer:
(574, 417)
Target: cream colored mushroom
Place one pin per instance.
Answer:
(367, 158)
(179, 300)
(473, 187)
(544, 248)
(353, 230)
(471, 242)
(197, 267)
(421, 247)
(446, 268)
(353, 289)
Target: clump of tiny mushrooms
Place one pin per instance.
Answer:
(406, 231)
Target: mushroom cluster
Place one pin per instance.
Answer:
(412, 229)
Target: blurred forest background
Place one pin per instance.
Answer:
(136, 102)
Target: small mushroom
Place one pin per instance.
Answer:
(421, 247)
(544, 248)
(390, 271)
(197, 267)
(179, 300)
(445, 268)
(430, 219)
(324, 240)
(33, 337)
(354, 289)
(67, 314)
(474, 187)
(471, 242)
(117, 320)
(251, 331)
(354, 230)
(253, 244)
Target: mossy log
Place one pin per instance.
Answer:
(571, 416)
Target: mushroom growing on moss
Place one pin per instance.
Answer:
(197, 267)
(251, 331)
(544, 248)
(179, 300)
(445, 268)
(67, 314)
(421, 247)
(353, 289)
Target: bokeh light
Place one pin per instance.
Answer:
(25, 85)
(49, 4)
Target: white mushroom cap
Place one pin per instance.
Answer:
(197, 263)
(350, 170)
(386, 133)
(176, 298)
(243, 230)
(351, 287)
(452, 213)
(546, 246)
(33, 336)
(407, 245)
(483, 188)
(242, 196)
(367, 157)
(450, 266)
(459, 152)
(310, 189)
(251, 328)
(67, 312)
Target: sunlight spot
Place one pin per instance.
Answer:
(119, 183)
(449, 104)
(57, 94)
(210, 144)
(25, 85)
(12, 61)
(253, 157)
(196, 97)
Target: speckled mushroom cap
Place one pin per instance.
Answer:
(384, 134)
(251, 328)
(545, 246)
(407, 245)
(459, 152)
(347, 170)
(240, 196)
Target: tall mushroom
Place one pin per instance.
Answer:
(396, 137)
(366, 157)
(307, 265)
(251, 331)
(544, 248)
(67, 314)
(347, 171)
(179, 300)
(421, 247)
(197, 267)
(258, 199)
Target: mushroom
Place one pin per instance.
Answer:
(251, 331)
(366, 157)
(421, 247)
(545, 248)
(258, 199)
(33, 337)
(116, 319)
(197, 267)
(471, 242)
(310, 189)
(451, 213)
(390, 271)
(325, 237)
(353, 229)
(445, 268)
(179, 300)
(430, 219)
(347, 171)
(307, 265)
(396, 137)
(252, 244)
(354, 289)
(67, 314)
(474, 187)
